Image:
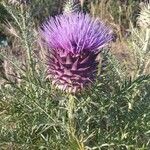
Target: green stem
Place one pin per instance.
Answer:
(25, 38)
(146, 50)
(25, 35)
(71, 106)
(71, 125)
(147, 38)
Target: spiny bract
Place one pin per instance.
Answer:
(74, 41)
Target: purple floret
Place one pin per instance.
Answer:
(75, 33)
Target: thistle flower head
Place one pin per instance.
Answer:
(74, 41)
(144, 16)
(76, 33)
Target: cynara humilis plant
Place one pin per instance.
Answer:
(74, 41)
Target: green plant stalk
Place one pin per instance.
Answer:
(24, 33)
(25, 36)
(147, 38)
(146, 66)
(71, 107)
(73, 139)
(146, 50)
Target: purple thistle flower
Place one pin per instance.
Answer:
(74, 41)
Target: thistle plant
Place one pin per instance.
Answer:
(113, 114)
(74, 41)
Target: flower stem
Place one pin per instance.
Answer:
(71, 106)
(73, 139)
